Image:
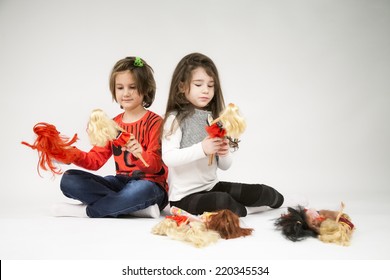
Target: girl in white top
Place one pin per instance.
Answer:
(195, 98)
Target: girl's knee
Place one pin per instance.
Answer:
(68, 183)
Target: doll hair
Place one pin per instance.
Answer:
(194, 233)
(337, 231)
(181, 80)
(52, 147)
(227, 224)
(101, 128)
(293, 224)
(229, 124)
(232, 122)
(143, 76)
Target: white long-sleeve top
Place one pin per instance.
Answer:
(189, 171)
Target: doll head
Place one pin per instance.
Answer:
(294, 224)
(143, 76)
(227, 224)
(101, 128)
(232, 121)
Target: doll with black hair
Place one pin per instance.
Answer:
(328, 226)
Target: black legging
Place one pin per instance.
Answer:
(232, 196)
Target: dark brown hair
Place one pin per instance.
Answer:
(177, 101)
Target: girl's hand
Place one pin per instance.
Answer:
(132, 146)
(211, 145)
(224, 148)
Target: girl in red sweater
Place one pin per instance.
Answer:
(137, 189)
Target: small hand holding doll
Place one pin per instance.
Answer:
(52, 148)
(102, 129)
(202, 230)
(229, 125)
(329, 226)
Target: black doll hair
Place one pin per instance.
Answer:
(293, 224)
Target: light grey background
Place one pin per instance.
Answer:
(311, 78)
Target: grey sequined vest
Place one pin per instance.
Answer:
(193, 128)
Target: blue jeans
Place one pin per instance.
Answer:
(111, 196)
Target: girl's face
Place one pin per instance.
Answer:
(126, 91)
(201, 90)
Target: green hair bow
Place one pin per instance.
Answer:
(138, 62)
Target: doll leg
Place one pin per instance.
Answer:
(252, 195)
(210, 201)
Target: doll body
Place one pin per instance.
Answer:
(329, 226)
(201, 230)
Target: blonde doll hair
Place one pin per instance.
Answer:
(194, 233)
(337, 231)
(232, 121)
(101, 128)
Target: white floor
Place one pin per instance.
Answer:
(37, 235)
(36, 245)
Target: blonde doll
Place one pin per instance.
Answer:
(101, 129)
(229, 124)
(201, 230)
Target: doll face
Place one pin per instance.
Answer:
(201, 89)
(126, 91)
(313, 219)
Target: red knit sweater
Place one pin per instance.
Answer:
(147, 132)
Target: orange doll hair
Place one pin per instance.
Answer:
(52, 146)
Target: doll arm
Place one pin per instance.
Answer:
(176, 211)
